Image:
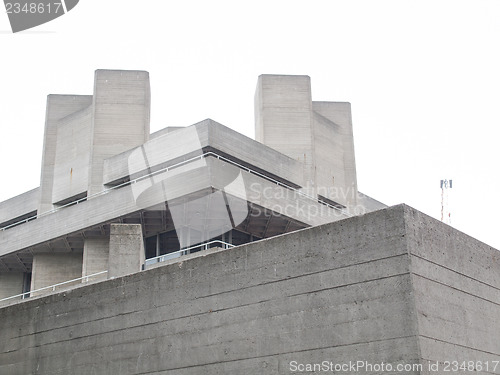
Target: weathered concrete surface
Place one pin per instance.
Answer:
(283, 118)
(126, 249)
(72, 160)
(11, 284)
(95, 257)
(58, 107)
(53, 268)
(168, 129)
(392, 286)
(121, 112)
(318, 134)
(169, 147)
(456, 281)
(19, 206)
(368, 204)
(333, 147)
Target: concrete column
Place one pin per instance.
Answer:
(319, 134)
(283, 119)
(121, 111)
(54, 268)
(334, 150)
(11, 284)
(126, 249)
(58, 107)
(95, 258)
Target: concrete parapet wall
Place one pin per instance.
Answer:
(456, 280)
(339, 292)
(392, 286)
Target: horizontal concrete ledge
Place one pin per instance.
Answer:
(193, 140)
(19, 206)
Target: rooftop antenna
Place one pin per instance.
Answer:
(445, 211)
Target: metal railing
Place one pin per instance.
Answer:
(188, 250)
(25, 295)
(177, 165)
(150, 261)
(158, 259)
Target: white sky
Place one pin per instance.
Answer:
(423, 78)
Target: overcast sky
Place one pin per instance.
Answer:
(423, 78)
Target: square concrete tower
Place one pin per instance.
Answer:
(318, 134)
(81, 131)
(121, 114)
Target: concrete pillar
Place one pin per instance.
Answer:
(11, 284)
(121, 111)
(58, 107)
(54, 268)
(95, 258)
(126, 249)
(334, 150)
(319, 134)
(283, 119)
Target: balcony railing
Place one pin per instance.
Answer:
(166, 169)
(188, 250)
(84, 279)
(150, 261)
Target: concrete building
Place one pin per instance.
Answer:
(177, 188)
(197, 250)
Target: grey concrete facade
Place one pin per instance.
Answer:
(183, 186)
(393, 286)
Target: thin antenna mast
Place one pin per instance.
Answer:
(445, 211)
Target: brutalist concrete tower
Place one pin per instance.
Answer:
(318, 134)
(81, 131)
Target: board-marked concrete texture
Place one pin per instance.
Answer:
(58, 108)
(393, 286)
(121, 112)
(126, 250)
(318, 134)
